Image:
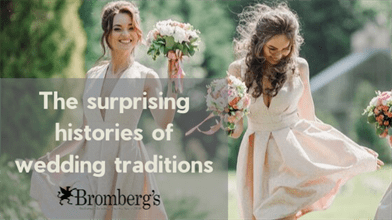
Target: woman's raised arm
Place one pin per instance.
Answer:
(153, 87)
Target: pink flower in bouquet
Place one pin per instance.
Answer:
(384, 134)
(384, 108)
(246, 101)
(376, 111)
(232, 94)
(231, 119)
(234, 101)
(383, 98)
(380, 119)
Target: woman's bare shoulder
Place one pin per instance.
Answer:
(302, 63)
(303, 67)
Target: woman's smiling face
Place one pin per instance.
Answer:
(123, 35)
(276, 48)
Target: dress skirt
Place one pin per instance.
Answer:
(295, 169)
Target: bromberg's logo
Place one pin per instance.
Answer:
(84, 199)
(66, 194)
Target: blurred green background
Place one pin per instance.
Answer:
(60, 39)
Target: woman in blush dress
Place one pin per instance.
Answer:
(384, 210)
(289, 163)
(122, 76)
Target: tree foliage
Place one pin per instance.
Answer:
(33, 39)
(36, 42)
(325, 25)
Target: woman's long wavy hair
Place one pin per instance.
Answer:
(110, 10)
(257, 25)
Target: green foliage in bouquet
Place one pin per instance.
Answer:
(163, 44)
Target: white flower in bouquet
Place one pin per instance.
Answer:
(232, 95)
(179, 35)
(373, 102)
(240, 104)
(166, 30)
(224, 93)
(211, 104)
(188, 27)
(221, 104)
(193, 34)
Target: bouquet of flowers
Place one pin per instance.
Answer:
(226, 98)
(173, 40)
(172, 35)
(379, 112)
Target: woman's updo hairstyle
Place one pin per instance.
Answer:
(257, 25)
(109, 11)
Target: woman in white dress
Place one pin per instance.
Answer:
(289, 162)
(121, 77)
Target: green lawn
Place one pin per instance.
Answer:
(357, 199)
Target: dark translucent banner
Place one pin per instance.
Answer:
(77, 150)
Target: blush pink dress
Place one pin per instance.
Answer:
(45, 187)
(384, 211)
(287, 165)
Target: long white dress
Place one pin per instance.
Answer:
(287, 164)
(45, 187)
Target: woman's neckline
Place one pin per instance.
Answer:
(119, 74)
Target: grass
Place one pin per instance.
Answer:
(357, 199)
